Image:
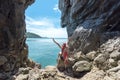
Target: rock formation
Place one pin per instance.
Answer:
(93, 28)
(49, 73)
(13, 50)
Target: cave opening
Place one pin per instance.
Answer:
(42, 24)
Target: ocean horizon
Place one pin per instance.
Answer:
(43, 50)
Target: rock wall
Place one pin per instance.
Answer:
(13, 50)
(87, 20)
(93, 28)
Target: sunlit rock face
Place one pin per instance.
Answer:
(88, 20)
(13, 50)
(93, 28)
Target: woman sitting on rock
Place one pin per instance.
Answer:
(63, 54)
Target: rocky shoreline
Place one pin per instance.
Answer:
(49, 73)
(52, 73)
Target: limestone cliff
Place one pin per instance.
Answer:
(88, 20)
(13, 50)
(93, 28)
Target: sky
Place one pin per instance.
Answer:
(43, 18)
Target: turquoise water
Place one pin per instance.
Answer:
(44, 51)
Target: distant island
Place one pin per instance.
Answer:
(32, 35)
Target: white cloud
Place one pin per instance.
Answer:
(45, 27)
(42, 22)
(56, 8)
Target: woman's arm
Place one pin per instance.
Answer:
(56, 43)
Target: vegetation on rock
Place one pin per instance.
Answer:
(32, 35)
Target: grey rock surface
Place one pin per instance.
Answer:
(13, 49)
(81, 66)
(86, 21)
(93, 25)
(3, 60)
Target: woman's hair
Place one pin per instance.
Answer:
(64, 44)
(63, 47)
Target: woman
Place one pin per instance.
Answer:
(64, 52)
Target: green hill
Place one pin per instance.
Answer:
(32, 35)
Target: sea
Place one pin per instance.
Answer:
(43, 50)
